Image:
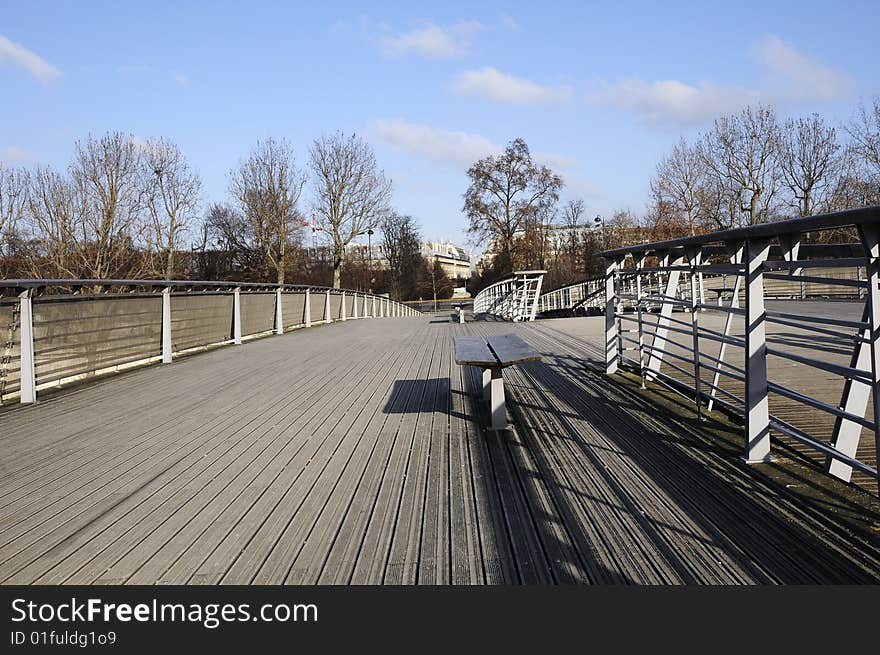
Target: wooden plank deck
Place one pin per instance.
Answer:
(353, 453)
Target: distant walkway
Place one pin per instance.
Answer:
(353, 454)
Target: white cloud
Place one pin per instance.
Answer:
(433, 40)
(786, 77)
(804, 75)
(460, 149)
(15, 154)
(18, 55)
(671, 101)
(494, 85)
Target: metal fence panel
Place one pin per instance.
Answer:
(257, 313)
(200, 320)
(77, 336)
(293, 308)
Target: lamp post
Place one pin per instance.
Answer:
(600, 223)
(370, 253)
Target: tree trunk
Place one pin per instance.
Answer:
(337, 272)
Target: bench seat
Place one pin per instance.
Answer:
(493, 355)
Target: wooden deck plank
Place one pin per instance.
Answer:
(356, 453)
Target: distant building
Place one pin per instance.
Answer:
(454, 260)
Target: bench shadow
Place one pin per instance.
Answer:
(421, 396)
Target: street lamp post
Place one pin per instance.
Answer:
(600, 222)
(370, 253)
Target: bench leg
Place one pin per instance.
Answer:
(487, 383)
(496, 400)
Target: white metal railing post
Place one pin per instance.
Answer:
(279, 313)
(327, 318)
(667, 300)
(373, 308)
(27, 372)
(736, 257)
(695, 261)
(166, 326)
(612, 357)
(538, 285)
(639, 263)
(866, 357)
(365, 308)
(307, 312)
(354, 306)
(236, 316)
(757, 416)
(870, 235)
(343, 312)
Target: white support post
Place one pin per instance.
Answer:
(28, 381)
(866, 356)
(366, 309)
(308, 309)
(327, 318)
(236, 316)
(695, 261)
(612, 356)
(343, 310)
(537, 298)
(736, 257)
(487, 384)
(354, 306)
(757, 417)
(497, 406)
(279, 313)
(166, 325)
(658, 346)
(639, 263)
(373, 308)
(854, 400)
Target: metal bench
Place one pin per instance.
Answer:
(493, 354)
(457, 314)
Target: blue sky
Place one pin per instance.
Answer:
(599, 91)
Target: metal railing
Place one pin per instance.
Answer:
(60, 331)
(589, 295)
(806, 372)
(512, 299)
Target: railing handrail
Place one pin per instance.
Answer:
(36, 283)
(821, 222)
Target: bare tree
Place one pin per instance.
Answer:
(681, 183)
(268, 186)
(401, 242)
(864, 132)
(108, 200)
(741, 153)
(809, 160)
(13, 204)
(56, 207)
(507, 192)
(231, 235)
(351, 192)
(172, 192)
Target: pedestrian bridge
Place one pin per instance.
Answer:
(301, 435)
(354, 452)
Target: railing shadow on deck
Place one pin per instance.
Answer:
(707, 496)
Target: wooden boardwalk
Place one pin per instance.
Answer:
(353, 453)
